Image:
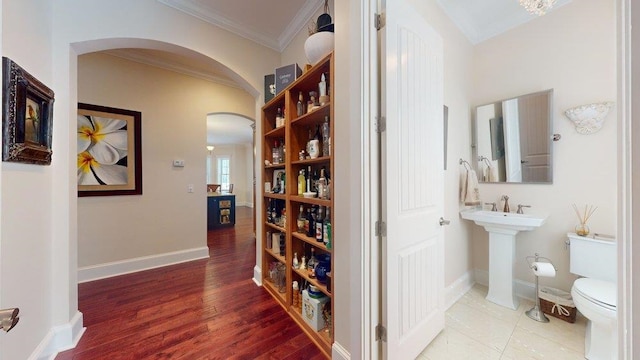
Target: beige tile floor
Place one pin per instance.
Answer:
(478, 329)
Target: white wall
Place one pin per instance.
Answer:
(165, 218)
(241, 159)
(26, 202)
(572, 50)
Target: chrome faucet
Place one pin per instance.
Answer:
(519, 211)
(493, 206)
(506, 203)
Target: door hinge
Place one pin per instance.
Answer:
(381, 333)
(379, 21)
(381, 124)
(381, 228)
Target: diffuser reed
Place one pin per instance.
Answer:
(582, 229)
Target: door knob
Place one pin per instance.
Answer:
(444, 222)
(9, 318)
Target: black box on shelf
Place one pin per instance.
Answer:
(269, 87)
(286, 75)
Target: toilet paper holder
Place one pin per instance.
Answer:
(535, 313)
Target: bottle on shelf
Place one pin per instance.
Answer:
(275, 153)
(322, 185)
(269, 214)
(300, 105)
(279, 118)
(308, 178)
(300, 220)
(313, 261)
(322, 88)
(313, 146)
(326, 229)
(326, 137)
(296, 264)
(282, 244)
(311, 230)
(319, 228)
(302, 182)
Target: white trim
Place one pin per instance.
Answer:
(338, 352)
(458, 288)
(625, 179)
(523, 289)
(60, 338)
(257, 275)
(96, 272)
(245, 203)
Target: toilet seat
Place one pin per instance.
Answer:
(600, 293)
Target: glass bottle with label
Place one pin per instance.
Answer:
(326, 137)
(300, 105)
(301, 221)
(326, 229)
(302, 182)
(319, 225)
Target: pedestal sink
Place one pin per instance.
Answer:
(502, 228)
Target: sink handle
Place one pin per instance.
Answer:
(494, 207)
(520, 208)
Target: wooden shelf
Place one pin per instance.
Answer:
(314, 117)
(319, 160)
(310, 201)
(274, 166)
(322, 287)
(275, 133)
(274, 226)
(276, 255)
(275, 196)
(311, 241)
(271, 287)
(321, 337)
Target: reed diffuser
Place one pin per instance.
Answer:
(582, 229)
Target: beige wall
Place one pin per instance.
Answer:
(174, 108)
(26, 205)
(573, 51)
(241, 157)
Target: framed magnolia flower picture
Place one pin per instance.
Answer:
(109, 155)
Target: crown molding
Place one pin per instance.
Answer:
(299, 22)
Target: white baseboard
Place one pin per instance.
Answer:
(458, 288)
(60, 338)
(257, 275)
(245, 203)
(122, 267)
(338, 352)
(524, 289)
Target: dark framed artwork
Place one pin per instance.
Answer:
(26, 117)
(109, 151)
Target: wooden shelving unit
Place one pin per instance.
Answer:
(295, 135)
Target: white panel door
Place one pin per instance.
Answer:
(412, 182)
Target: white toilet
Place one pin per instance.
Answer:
(595, 294)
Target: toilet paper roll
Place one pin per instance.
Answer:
(544, 269)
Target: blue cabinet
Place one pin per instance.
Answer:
(221, 210)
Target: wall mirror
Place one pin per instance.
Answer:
(514, 138)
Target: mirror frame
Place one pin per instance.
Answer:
(474, 145)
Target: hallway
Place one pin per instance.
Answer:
(205, 309)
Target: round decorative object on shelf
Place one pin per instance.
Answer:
(318, 46)
(588, 118)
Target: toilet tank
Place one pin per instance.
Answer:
(594, 258)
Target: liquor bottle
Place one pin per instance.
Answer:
(283, 188)
(300, 220)
(296, 264)
(319, 227)
(326, 140)
(311, 230)
(299, 105)
(269, 214)
(275, 153)
(313, 261)
(322, 185)
(282, 244)
(326, 229)
(274, 212)
(302, 183)
(308, 175)
(314, 181)
(279, 118)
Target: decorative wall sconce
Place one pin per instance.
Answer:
(210, 148)
(588, 118)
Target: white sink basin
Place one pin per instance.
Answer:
(507, 221)
(502, 228)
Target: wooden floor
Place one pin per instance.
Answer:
(204, 309)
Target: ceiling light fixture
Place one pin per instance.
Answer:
(210, 148)
(537, 7)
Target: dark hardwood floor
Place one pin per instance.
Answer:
(204, 309)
